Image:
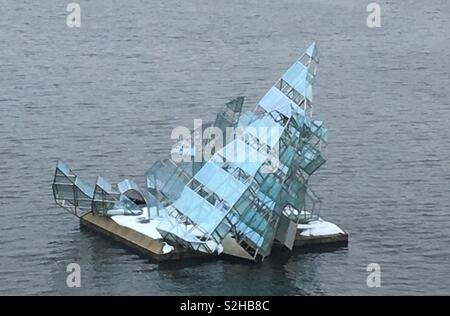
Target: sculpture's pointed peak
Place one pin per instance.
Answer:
(311, 51)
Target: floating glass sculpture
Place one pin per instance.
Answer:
(253, 191)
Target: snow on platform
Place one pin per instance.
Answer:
(319, 227)
(167, 248)
(314, 229)
(140, 223)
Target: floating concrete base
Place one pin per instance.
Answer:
(149, 247)
(153, 248)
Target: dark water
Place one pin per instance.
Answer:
(106, 96)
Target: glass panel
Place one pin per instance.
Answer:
(276, 100)
(220, 182)
(198, 210)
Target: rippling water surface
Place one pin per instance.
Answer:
(105, 97)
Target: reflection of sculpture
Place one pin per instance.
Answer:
(239, 202)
